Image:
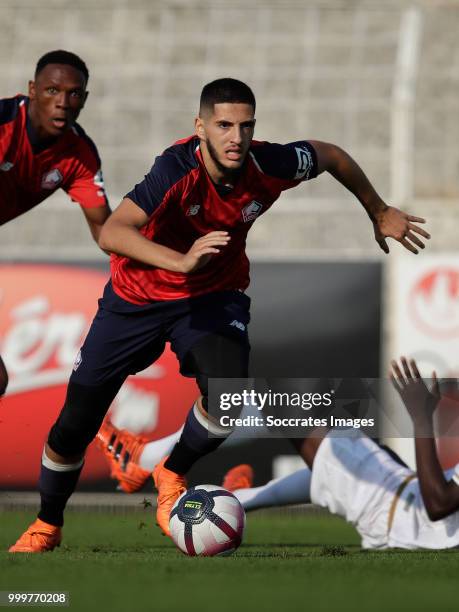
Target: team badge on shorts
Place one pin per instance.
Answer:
(251, 211)
(51, 179)
(77, 361)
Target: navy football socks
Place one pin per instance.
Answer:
(56, 484)
(195, 442)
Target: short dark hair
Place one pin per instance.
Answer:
(62, 57)
(225, 90)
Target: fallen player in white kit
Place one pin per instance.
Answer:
(352, 476)
(390, 505)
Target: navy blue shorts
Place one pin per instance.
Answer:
(125, 338)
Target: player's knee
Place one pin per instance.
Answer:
(61, 459)
(80, 418)
(3, 378)
(67, 441)
(217, 357)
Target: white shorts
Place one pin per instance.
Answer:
(412, 528)
(356, 479)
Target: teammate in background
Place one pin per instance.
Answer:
(179, 271)
(43, 149)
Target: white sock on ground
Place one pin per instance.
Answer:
(284, 491)
(157, 450)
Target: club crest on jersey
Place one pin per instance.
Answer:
(193, 210)
(251, 211)
(6, 166)
(51, 179)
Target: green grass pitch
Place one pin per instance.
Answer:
(287, 562)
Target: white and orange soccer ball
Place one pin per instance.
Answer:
(207, 520)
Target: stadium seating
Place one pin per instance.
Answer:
(321, 70)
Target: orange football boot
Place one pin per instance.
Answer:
(238, 477)
(122, 450)
(39, 537)
(170, 486)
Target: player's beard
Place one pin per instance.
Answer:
(230, 174)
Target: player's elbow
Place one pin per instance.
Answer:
(436, 513)
(438, 506)
(104, 239)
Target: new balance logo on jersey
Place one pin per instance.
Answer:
(51, 179)
(193, 210)
(6, 166)
(305, 163)
(251, 211)
(238, 324)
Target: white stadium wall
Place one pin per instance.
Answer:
(378, 79)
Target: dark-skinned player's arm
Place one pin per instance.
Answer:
(388, 222)
(95, 218)
(440, 496)
(120, 234)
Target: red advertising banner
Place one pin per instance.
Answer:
(423, 323)
(45, 312)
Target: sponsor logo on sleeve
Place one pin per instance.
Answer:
(99, 179)
(305, 163)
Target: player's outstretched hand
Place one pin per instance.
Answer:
(419, 401)
(202, 250)
(396, 224)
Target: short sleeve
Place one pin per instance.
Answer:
(295, 161)
(87, 187)
(165, 173)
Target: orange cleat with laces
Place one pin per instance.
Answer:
(39, 537)
(122, 450)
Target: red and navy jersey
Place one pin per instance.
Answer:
(184, 204)
(30, 173)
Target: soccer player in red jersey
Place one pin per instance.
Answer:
(179, 272)
(43, 149)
